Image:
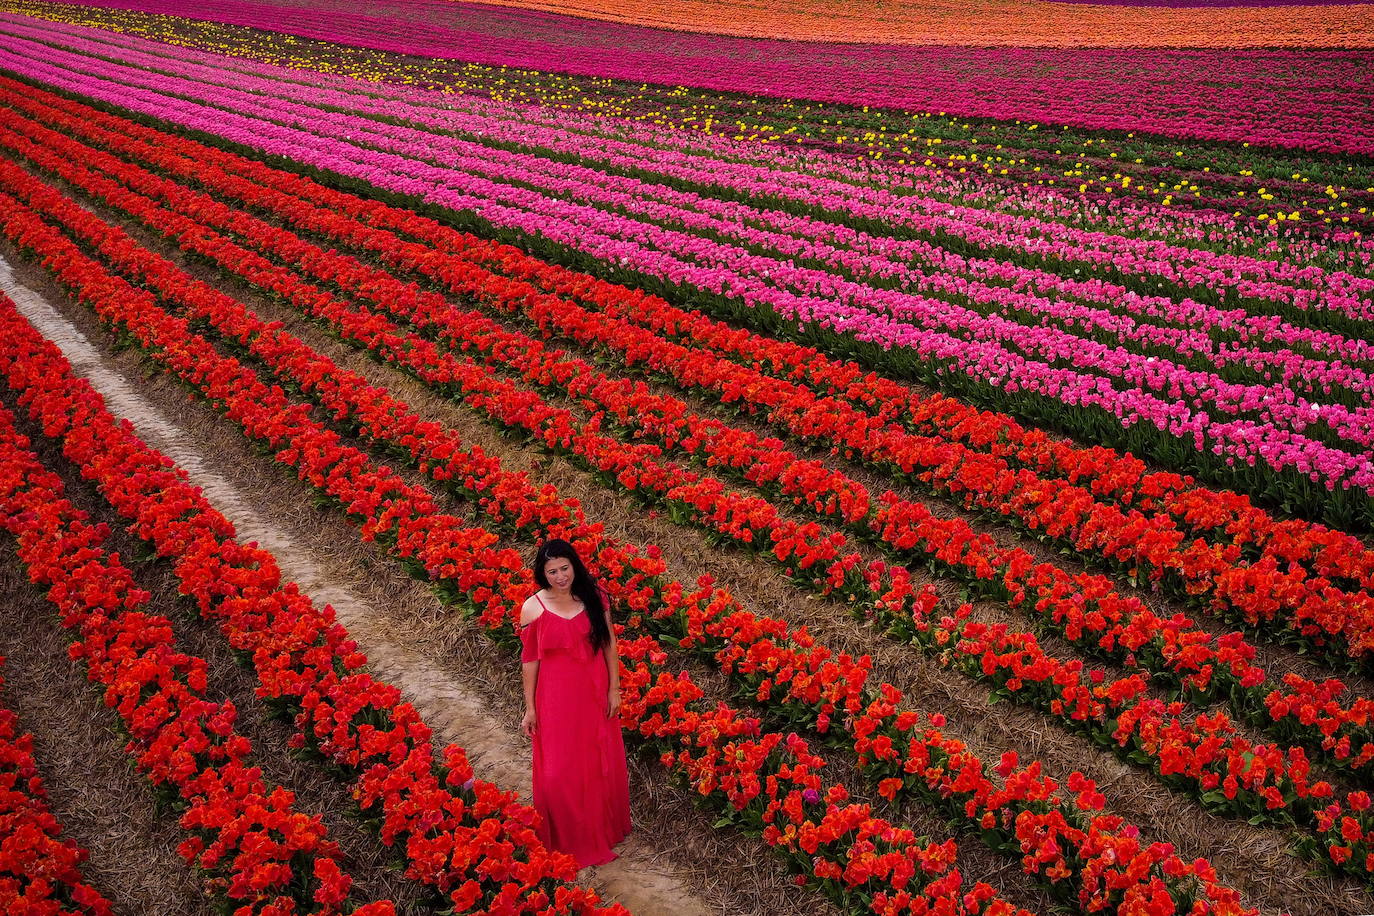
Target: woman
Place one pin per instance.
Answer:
(572, 709)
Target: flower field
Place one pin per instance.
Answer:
(974, 428)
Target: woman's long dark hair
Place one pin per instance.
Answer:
(583, 586)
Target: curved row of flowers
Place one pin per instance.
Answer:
(40, 870)
(257, 852)
(1102, 859)
(1128, 238)
(1241, 439)
(1006, 161)
(767, 779)
(1328, 725)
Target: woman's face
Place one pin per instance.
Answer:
(559, 573)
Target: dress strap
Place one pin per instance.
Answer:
(541, 601)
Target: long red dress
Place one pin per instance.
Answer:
(581, 784)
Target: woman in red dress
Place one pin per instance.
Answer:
(571, 674)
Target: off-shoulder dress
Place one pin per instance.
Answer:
(581, 785)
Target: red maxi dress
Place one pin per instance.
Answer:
(581, 784)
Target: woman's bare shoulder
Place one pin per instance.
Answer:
(530, 610)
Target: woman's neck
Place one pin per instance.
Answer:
(564, 595)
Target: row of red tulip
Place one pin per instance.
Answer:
(876, 860)
(899, 521)
(774, 787)
(1151, 538)
(1104, 858)
(258, 853)
(40, 870)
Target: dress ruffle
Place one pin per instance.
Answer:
(541, 636)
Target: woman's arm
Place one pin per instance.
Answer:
(529, 675)
(612, 652)
(529, 671)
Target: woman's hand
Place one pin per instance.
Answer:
(529, 724)
(613, 702)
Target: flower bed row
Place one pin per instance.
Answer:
(1299, 457)
(1105, 860)
(841, 847)
(1128, 89)
(257, 852)
(1328, 724)
(40, 870)
(1204, 182)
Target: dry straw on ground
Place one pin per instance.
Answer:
(101, 803)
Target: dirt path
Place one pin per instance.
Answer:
(640, 879)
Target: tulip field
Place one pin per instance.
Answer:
(969, 411)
